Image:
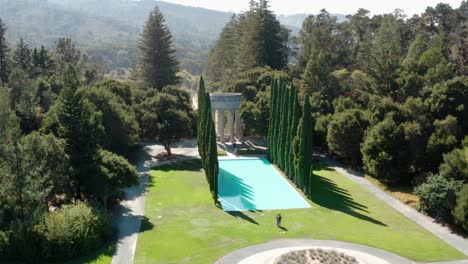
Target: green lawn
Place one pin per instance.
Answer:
(101, 256)
(185, 227)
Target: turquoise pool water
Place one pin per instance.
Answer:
(254, 184)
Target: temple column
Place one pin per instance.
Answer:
(239, 130)
(230, 124)
(221, 125)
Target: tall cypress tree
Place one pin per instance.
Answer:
(304, 159)
(200, 116)
(296, 115)
(157, 63)
(4, 55)
(284, 128)
(275, 111)
(206, 142)
(206, 138)
(270, 121)
(282, 97)
(213, 155)
(287, 147)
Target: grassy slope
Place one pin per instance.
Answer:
(185, 227)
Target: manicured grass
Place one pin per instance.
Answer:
(101, 256)
(187, 228)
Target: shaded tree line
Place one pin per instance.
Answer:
(289, 139)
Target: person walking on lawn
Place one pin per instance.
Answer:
(278, 219)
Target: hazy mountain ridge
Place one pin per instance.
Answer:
(108, 30)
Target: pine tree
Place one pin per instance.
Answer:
(22, 56)
(66, 52)
(274, 38)
(221, 66)
(252, 39)
(4, 55)
(42, 62)
(157, 63)
(74, 119)
(386, 56)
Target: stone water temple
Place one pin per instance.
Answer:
(227, 105)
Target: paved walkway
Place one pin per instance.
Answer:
(253, 254)
(132, 209)
(442, 232)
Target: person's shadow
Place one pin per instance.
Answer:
(282, 228)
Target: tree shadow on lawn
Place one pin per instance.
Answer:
(130, 222)
(186, 165)
(326, 193)
(241, 215)
(319, 165)
(236, 195)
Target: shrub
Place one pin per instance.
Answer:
(460, 213)
(345, 134)
(4, 243)
(455, 165)
(438, 197)
(73, 230)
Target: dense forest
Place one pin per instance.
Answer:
(66, 137)
(388, 92)
(109, 38)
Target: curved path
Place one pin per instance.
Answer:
(266, 253)
(131, 210)
(252, 254)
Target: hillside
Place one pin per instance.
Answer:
(109, 38)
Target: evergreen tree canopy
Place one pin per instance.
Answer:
(157, 63)
(4, 55)
(22, 56)
(74, 119)
(42, 62)
(66, 52)
(252, 39)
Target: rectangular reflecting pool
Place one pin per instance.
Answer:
(254, 184)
